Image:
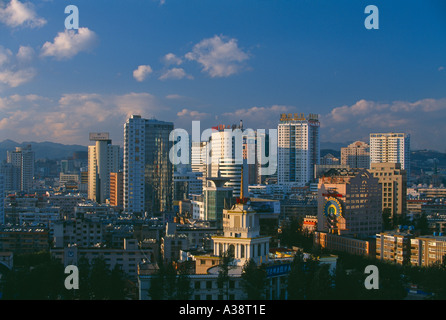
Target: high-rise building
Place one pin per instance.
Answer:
(229, 150)
(356, 155)
(103, 158)
(22, 174)
(391, 147)
(216, 198)
(148, 171)
(349, 203)
(394, 187)
(298, 148)
(116, 189)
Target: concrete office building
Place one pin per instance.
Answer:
(391, 147)
(298, 148)
(394, 187)
(103, 158)
(148, 171)
(22, 170)
(356, 155)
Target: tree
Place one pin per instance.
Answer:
(117, 284)
(224, 266)
(422, 224)
(183, 283)
(253, 280)
(297, 278)
(321, 284)
(99, 279)
(387, 219)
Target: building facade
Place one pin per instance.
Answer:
(356, 155)
(391, 147)
(103, 158)
(298, 148)
(148, 171)
(393, 180)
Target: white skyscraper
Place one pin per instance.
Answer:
(298, 148)
(103, 158)
(22, 174)
(148, 171)
(227, 157)
(391, 147)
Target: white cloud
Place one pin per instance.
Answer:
(25, 54)
(69, 43)
(175, 73)
(15, 69)
(424, 119)
(255, 117)
(70, 118)
(219, 56)
(142, 72)
(441, 68)
(196, 115)
(174, 96)
(171, 58)
(17, 14)
(16, 78)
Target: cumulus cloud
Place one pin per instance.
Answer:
(175, 73)
(70, 118)
(142, 72)
(69, 43)
(218, 56)
(16, 14)
(423, 119)
(196, 115)
(171, 58)
(25, 54)
(15, 69)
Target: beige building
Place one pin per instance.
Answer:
(349, 211)
(347, 244)
(349, 203)
(394, 187)
(103, 158)
(426, 250)
(241, 236)
(356, 155)
(394, 246)
(391, 147)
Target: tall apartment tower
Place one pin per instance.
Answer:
(393, 180)
(391, 147)
(356, 155)
(298, 148)
(103, 158)
(228, 151)
(22, 171)
(148, 171)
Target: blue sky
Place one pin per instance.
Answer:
(222, 61)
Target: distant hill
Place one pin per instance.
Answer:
(43, 150)
(334, 145)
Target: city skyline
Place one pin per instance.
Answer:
(220, 63)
